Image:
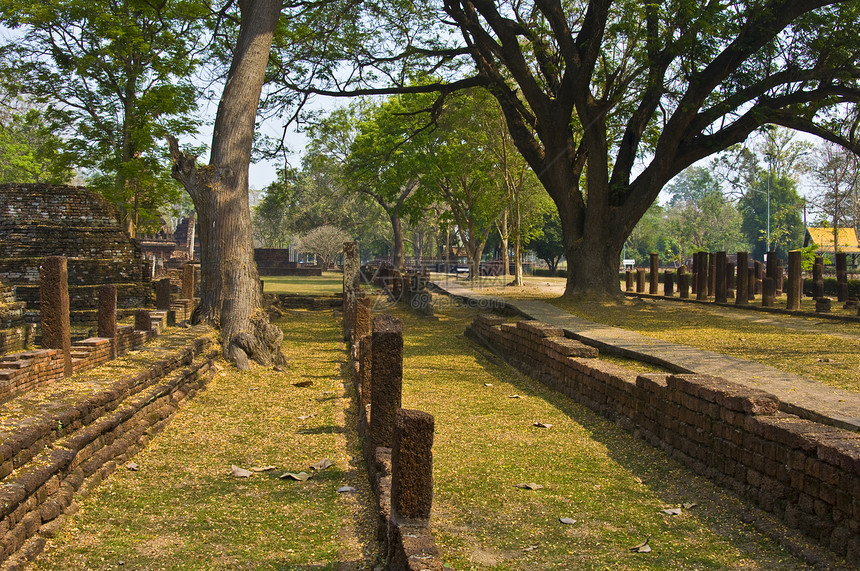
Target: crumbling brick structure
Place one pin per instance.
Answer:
(48, 220)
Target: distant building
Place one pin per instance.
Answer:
(823, 238)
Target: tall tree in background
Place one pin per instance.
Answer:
(30, 150)
(837, 173)
(116, 77)
(230, 291)
(593, 90)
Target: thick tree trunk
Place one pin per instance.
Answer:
(230, 292)
(592, 267)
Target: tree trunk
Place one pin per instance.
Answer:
(398, 256)
(518, 246)
(230, 291)
(504, 234)
(592, 266)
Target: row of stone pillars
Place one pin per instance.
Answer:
(397, 442)
(713, 276)
(54, 310)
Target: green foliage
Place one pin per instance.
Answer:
(549, 245)
(808, 255)
(786, 222)
(116, 77)
(30, 151)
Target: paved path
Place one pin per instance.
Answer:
(801, 396)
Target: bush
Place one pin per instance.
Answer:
(830, 287)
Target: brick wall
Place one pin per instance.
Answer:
(806, 473)
(62, 451)
(23, 372)
(51, 220)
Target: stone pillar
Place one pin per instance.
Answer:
(142, 320)
(54, 308)
(640, 280)
(770, 268)
(730, 280)
(669, 283)
(767, 292)
(822, 305)
(702, 276)
(629, 276)
(188, 281)
(720, 277)
(162, 295)
(780, 277)
(712, 274)
(741, 282)
(362, 323)
(654, 283)
(387, 379)
(695, 272)
(751, 284)
(364, 357)
(107, 316)
(759, 274)
(350, 286)
(412, 466)
(841, 276)
(683, 283)
(795, 281)
(818, 278)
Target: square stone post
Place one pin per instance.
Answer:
(751, 286)
(640, 280)
(742, 281)
(702, 276)
(759, 274)
(364, 356)
(162, 295)
(694, 272)
(654, 282)
(795, 281)
(54, 308)
(712, 274)
(780, 277)
(142, 320)
(188, 281)
(629, 276)
(730, 280)
(107, 315)
(683, 283)
(767, 292)
(350, 286)
(412, 467)
(720, 295)
(669, 283)
(387, 379)
(841, 276)
(818, 277)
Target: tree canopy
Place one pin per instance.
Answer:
(607, 101)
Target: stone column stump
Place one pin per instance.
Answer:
(640, 280)
(742, 280)
(107, 316)
(669, 283)
(386, 379)
(654, 282)
(629, 280)
(720, 295)
(54, 307)
(683, 283)
(795, 281)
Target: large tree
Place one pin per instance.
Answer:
(608, 101)
(230, 293)
(115, 77)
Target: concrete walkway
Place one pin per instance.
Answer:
(803, 397)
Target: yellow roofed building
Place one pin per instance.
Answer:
(823, 237)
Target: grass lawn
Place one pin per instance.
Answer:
(613, 485)
(183, 510)
(823, 350)
(327, 284)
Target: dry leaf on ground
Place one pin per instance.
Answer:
(238, 472)
(299, 476)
